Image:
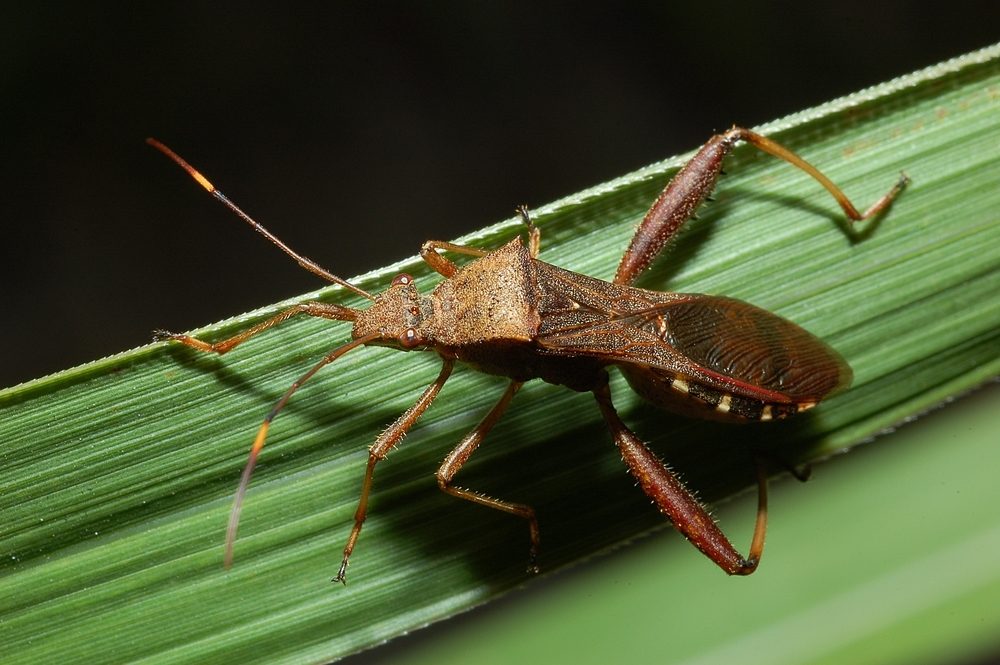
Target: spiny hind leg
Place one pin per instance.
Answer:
(678, 503)
(695, 181)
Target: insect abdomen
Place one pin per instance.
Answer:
(682, 394)
(753, 347)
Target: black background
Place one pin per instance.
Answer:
(355, 132)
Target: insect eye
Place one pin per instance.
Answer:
(409, 338)
(402, 278)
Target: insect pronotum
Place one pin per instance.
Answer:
(508, 313)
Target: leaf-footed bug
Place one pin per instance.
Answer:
(510, 314)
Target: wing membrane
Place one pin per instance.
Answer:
(725, 343)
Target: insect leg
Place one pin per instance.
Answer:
(534, 233)
(429, 252)
(695, 181)
(457, 457)
(678, 503)
(380, 449)
(324, 310)
(261, 438)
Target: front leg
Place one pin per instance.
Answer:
(386, 442)
(324, 310)
(431, 250)
(695, 181)
(430, 253)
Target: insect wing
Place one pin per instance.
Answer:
(751, 345)
(724, 343)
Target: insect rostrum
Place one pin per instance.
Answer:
(510, 314)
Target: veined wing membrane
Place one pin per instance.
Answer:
(725, 343)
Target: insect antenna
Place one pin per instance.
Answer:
(306, 263)
(258, 443)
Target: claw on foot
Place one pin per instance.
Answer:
(341, 574)
(164, 335)
(533, 567)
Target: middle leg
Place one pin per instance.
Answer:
(320, 309)
(457, 457)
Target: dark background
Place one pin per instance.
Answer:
(355, 132)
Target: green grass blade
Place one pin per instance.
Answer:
(881, 559)
(117, 476)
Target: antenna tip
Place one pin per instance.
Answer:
(193, 172)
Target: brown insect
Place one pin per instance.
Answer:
(510, 314)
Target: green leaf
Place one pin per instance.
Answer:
(117, 476)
